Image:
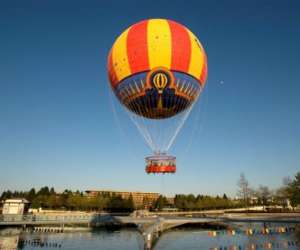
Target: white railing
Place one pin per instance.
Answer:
(48, 218)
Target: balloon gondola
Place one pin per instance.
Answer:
(157, 69)
(160, 164)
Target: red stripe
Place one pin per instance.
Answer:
(181, 47)
(137, 48)
(203, 75)
(111, 72)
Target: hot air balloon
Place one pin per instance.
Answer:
(157, 69)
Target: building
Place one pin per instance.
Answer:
(140, 199)
(15, 206)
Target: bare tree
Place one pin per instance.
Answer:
(244, 190)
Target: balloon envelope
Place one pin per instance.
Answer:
(157, 68)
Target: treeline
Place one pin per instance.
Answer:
(203, 202)
(287, 195)
(68, 200)
(191, 202)
(49, 199)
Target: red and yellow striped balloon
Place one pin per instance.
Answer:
(157, 68)
(156, 43)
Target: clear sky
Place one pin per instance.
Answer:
(57, 125)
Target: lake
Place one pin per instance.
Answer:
(243, 237)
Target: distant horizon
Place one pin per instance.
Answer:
(166, 195)
(128, 190)
(74, 189)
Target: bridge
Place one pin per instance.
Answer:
(151, 227)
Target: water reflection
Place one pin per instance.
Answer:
(240, 237)
(100, 239)
(38, 243)
(297, 234)
(253, 236)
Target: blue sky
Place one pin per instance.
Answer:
(57, 122)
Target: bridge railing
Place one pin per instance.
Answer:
(46, 218)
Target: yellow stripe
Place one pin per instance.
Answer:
(119, 57)
(197, 57)
(159, 43)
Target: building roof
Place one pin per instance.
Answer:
(16, 200)
(118, 191)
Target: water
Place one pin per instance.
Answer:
(101, 239)
(196, 239)
(187, 239)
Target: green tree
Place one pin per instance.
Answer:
(6, 195)
(293, 191)
(52, 191)
(116, 204)
(161, 202)
(44, 191)
(31, 195)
